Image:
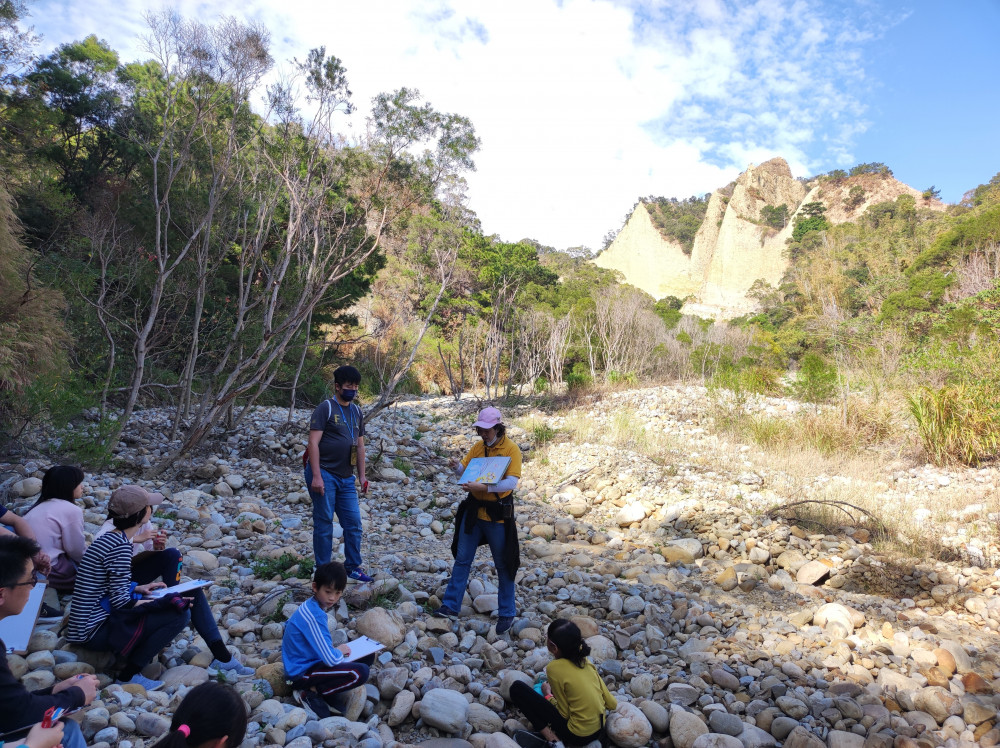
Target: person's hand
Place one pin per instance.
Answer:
(145, 589)
(546, 689)
(458, 467)
(549, 734)
(142, 537)
(160, 541)
(345, 649)
(474, 487)
(43, 564)
(85, 682)
(317, 485)
(45, 737)
(364, 487)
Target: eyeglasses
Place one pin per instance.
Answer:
(31, 582)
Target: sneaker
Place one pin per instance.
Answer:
(504, 623)
(358, 575)
(528, 739)
(147, 683)
(314, 704)
(233, 666)
(444, 612)
(48, 614)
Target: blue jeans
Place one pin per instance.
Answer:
(72, 736)
(468, 542)
(341, 497)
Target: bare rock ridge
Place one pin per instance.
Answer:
(734, 248)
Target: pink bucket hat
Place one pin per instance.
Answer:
(488, 418)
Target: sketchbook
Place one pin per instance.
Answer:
(485, 470)
(362, 647)
(180, 589)
(16, 630)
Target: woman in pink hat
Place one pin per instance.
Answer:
(487, 517)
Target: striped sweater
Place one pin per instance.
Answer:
(103, 583)
(307, 641)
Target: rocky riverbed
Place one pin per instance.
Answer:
(714, 620)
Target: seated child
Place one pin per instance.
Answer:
(573, 702)
(212, 715)
(318, 670)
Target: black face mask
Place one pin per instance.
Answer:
(348, 394)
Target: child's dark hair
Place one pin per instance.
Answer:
(133, 520)
(346, 375)
(569, 641)
(208, 712)
(15, 553)
(331, 574)
(59, 482)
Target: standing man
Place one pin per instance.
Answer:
(336, 445)
(18, 706)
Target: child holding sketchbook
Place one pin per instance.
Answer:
(319, 670)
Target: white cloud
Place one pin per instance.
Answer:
(582, 105)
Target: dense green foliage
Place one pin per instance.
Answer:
(678, 219)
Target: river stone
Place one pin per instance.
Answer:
(587, 625)
(791, 561)
(486, 603)
(628, 727)
(682, 693)
(507, 678)
(725, 723)
(641, 686)
(401, 707)
(385, 626)
(630, 513)
(27, 487)
(683, 550)
(274, 674)
(963, 663)
(727, 579)
(844, 739)
(754, 737)
(391, 680)
(782, 726)
(444, 709)
(836, 619)
(151, 725)
(716, 740)
(800, 737)
(725, 679)
(495, 740)
(184, 675)
(813, 572)
(201, 560)
(657, 714)
(685, 728)
(601, 649)
(484, 719)
(38, 680)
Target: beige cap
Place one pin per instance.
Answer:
(128, 500)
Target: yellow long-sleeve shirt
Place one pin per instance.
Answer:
(579, 694)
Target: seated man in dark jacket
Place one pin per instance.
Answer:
(18, 706)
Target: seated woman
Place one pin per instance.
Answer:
(105, 614)
(57, 522)
(573, 702)
(151, 559)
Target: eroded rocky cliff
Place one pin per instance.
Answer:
(734, 248)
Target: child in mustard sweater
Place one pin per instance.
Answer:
(573, 702)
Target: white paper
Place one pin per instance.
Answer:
(16, 630)
(194, 584)
(362, 647)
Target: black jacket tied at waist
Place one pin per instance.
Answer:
(465, 520)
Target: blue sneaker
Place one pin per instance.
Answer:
(147, 683)
(233, 666)
(358, 575)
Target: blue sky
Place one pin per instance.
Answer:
(585, 105)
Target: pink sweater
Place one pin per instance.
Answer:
(58, 526)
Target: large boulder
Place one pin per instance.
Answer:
(444, 709)
(385, 626)
(628, 727)
(685, 728)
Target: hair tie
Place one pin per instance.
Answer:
(184, 730)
